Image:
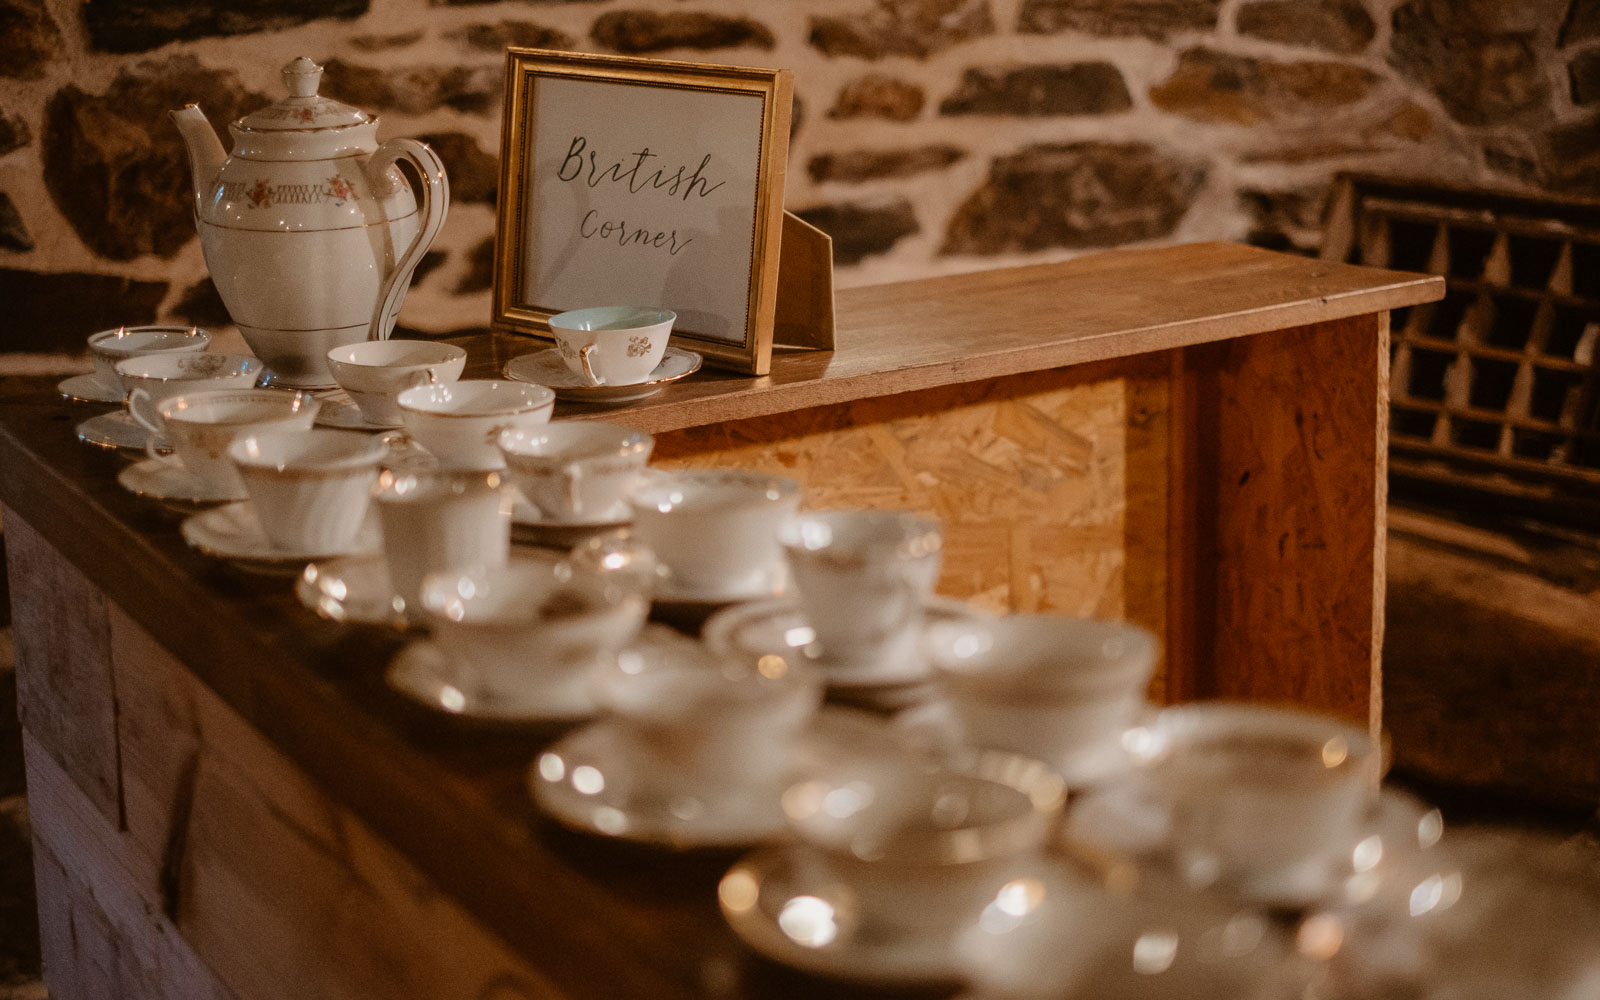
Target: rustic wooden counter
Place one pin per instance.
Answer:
(228, 801)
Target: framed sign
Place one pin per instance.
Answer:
(627, 181)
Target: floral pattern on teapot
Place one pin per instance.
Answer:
(261, 194)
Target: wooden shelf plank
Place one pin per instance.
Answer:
(945, 331)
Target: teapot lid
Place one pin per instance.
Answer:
(303, 110)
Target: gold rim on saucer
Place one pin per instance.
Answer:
(546, 368)
(88, 389)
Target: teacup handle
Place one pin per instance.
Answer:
(910, 590)
(142, 408)
(419, 379)
(396, 439)
(588, 369)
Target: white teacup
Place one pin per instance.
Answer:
(613, 345)
(111, 346)
(578, 470)
(715, 531)
(310, 489)
(459, 422)
(918, 851)
(441, 520)
(1263, 800)
(160, 376)
(863, 577)
(201, 425)
(1050, 686)
(710, 720)
(374, 372)
(532, 631)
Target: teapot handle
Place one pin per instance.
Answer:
(435, 206)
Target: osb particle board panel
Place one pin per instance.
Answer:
(1033, 476)
(1283, 495)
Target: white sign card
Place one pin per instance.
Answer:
(662, 189)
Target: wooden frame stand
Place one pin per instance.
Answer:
(805, 314)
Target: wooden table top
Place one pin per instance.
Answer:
(603, 920)
(944, 331)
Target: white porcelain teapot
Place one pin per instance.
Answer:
(309, 229)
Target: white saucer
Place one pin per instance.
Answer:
(88, 389)
(602, 780)
(934, 723)
(272, 380)
(339, 411)
(526, 514)
(780, 626)
(167, 479)
(233, 533)
(423, 673)
(1125, 823)
(775, 904)
(116, 430)
(546, 368)
(353, 589)
(530, 527)
(771, 582)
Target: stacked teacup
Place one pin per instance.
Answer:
(1180, 873)
(863, 602)
(310, 490)
(576, 473)
(1258, 803)
(436, 519)
(1052, 686)
(200, 427)
(445, 505)
(864, 578)
(110, 347)
(460, 422)
(894, 856)
(375, 372)
(524, 640)
(694, 751)
(714, 531)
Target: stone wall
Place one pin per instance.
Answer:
(932, 136)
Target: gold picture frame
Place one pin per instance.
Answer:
(614, 168)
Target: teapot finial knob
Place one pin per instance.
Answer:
(302, 77)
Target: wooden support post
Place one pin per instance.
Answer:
(1278, 484)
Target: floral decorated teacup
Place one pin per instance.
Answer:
(613, 345)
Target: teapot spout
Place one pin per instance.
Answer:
(206, 154)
